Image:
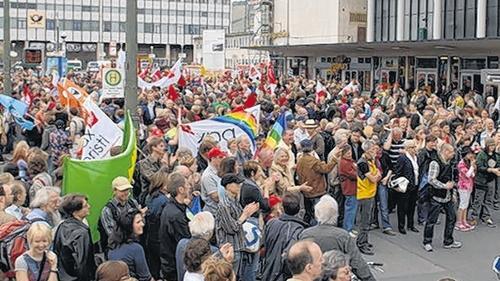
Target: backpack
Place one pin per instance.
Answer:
(13, 243)
(79, 127)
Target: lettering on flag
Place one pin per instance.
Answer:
(101, 134)
(191, 135)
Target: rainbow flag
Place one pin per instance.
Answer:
(276, 133)
(240, 117)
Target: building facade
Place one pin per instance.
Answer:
(169, 26)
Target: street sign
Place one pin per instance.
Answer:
(112, 83)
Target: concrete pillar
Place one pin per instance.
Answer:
(370, 18)
(400, 25)
(481, 18)
(437, 25)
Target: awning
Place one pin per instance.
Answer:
(462, 48)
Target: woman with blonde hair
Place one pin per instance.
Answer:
(215, 269)
(38, 263)
(281, 167)
(20, 158)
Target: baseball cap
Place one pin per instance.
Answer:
(231, 178)
(215, 152)
(274, 200)
(121, 184)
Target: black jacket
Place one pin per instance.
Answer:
(424, 158)
(250, 193)
(75, 252)
(173, 227)
(404, 168)
(280, 234)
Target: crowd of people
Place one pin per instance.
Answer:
(301, 211)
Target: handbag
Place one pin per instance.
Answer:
(399, 184)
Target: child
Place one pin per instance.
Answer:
(467, 172)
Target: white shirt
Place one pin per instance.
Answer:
(193, 276)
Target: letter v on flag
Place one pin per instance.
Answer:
(70, 94)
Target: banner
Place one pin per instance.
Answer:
(101, 134)
(93, 178)
(172, 78)
(191, 135)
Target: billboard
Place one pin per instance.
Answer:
(214, 49)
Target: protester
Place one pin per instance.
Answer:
(173, 223)
(130, 228)
(113, 271)
(304, 261)
(215, 269)
(336, 267)
(44, 207)
(38, 263)
(6, 198)
(329, 237)
(73, 241)
(18, 199)
(210, 180)
(467, 171)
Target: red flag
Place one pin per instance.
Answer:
(320, 91)
(182, 81)
(28, 95)
(251, 100)
(144, 73)
(172, 93)
(156, 75)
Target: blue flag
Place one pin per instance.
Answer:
(17, 109)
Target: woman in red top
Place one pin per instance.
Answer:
(348, 173)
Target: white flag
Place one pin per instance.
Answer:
(101, 133)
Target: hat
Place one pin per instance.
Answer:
(310, 124)
(274, 200)
(157, 133)
(215, 152)
(121, 184)
(231, 178)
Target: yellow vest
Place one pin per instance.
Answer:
(366, 188)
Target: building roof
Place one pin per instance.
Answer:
(466, 47)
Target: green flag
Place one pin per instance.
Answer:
(93, 177)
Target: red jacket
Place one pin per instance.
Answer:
(348, 174)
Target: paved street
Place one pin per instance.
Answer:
(405, 259)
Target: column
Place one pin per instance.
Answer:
(437, 25)
(400, 24)
(370, 18)
(481, 18)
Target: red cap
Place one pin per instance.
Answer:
(216, 153)
(274, 200)
(157, 133)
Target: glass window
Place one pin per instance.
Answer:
(204, 14)
(407, 15)
(157, 28)
(95, 26)
(86, 8)
(492, 19)
(156, 12)
(470, 17)
(77, 9)
(460, 20)
(51, 7)
(149, 11)
(140, 11)
(59, 8)
(86, 25)
(172, 13)
(40, 6)
(378, 20)
(21, 23)
(140, 27)
(426, 63)
(164, 28)
(392, 20)
(106, 10)
(148, 28)
(123, 27)
(385, 20)
(172, 28)
(77, 25)
(476, 64)
(180, 13)
(68, 24)
(115, 26)
(107, 26)
(50, 24)
(414, 20)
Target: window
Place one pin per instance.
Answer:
(378, 20)
(470, 19)
(204, 14)
(31, 6)
(106, 10)
(164, 28)
(460, 20)
(123, 27)
(86, 9)
(21, 23)
(107, 26)
(77, 9)
(50, 24)
(180, 13)
(140, 27)
(385, 20)
(77, 25)
(68, 24)
(156, 12)
(157, 28)
(140, 11)
(492, 19)
(86, 25)
(148, 28)
(172, 28)
(51, 7)
(95, 26)
(172, 13)
(115, 26)
(40, 6)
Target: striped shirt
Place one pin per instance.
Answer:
(228, 228)
(395, 151)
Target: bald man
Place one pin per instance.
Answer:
(304, 261)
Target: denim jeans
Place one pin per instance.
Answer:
(248, 266)
(383, 198)
(483, 202)
(350, 211)
(451, 217)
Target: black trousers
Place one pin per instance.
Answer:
(451, 217)
(406, 203)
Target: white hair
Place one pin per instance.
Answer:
(202, 225)
(42, 196)
(326, 210)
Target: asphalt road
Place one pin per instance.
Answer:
(405, 259)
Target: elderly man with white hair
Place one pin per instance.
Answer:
(330, 237)
(201, 226)
(44, 206)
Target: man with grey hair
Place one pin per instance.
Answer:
(329, 237)
(44, 206)
(201, 227)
